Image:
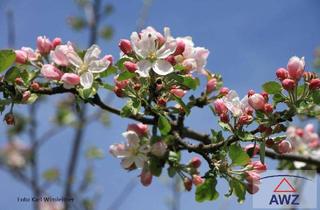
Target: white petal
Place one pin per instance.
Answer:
(86, 80)
(98, 66)
(167, 49)
(74, 59)
(132, 138)
(162, 67)
(140, 160)
(92, 53)
(144, 67)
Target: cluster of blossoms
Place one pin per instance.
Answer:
(252, 175)
(64, 63)
(15, 154)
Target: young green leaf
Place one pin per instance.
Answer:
(164, 125)
(207, 191)
(262, 151)
(7, 58)
(272, 87)
(125, 75)
(238, 188)
(238, 156)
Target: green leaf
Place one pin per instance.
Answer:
(172, 171)
(164, 125)
(238, 156)
(125, 75)
(262, 151)
(155, 166)
(225, 126)
(316, 97)
(191, 82)
(108, 86)
(174, 157)
(246, 136)
(207, 191)
(182, 104)
(131, 108)
(278, 98)
(33, 97)
(94, 153)
(87, 93)
(238, 188)
(51, 175)
(12, 74)
(272, 87)
(7, 58)
(120, 62)
(111, 70)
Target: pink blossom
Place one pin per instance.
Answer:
(108, 58)
(258, 167)
(211, 85)
(56, 41)
(125, 46)
(224, 91)
(197, 180)
(284, 147)
(178, 92)
(32, 55)
(288, 84)
(130, 66)
(252, 188)
(21, 56)
(282, 74)
(51, 72)
(159, 148)
(252, 177)
(70, 80)
(44, 45)
(59, 54)
(26, 95)
(195, 162)
(296, 67)
(187, 182)
(314, 84)
(146, 177)
(257, 101)
(219, 107)
(139, 128)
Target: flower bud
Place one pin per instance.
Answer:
(180, 48)
(121, 84)
(171, 60)
(296, 67)
(288, 84)
(140, 128)
(195, 162)
(19, 81)
(268, 108)
(245, 119)
(9, 118)
(284, 147)
(125, 46)
(314, 84)
(51, 72)
(252, 177)
(265, 96)
(257, 101)
(219, 107)
(269, 143)
(146, 177)
(224, 91)
(178, 92)
(25, 96)
(130, 66)
(44, 45)
(35, 86)
(211, 85)
(108, 58)
(251, 92)
(258, 166)
(224, 117)
(187, 184)
(282, 74)
(70, 79)
(21, 56)
(118, 91)
(252, 188)
(162, 101)
(197, 180)
(307, 76)
(159, 148)
(56, 41)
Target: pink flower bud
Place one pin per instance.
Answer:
(51, 72)
(25, 96)
(245, 119)
(130, 66)
(252, 177)
(70, 79)
(252, 149)
(265, 96)
(9, 118)
(296, 67)
(180, 47)
(146, 177)
(195, 162)
(121, 84)
(108, 58)
(35, 86)
(125, 46)
(118, 91)
(219, 107)
(257, 101)
(171, 60)
(211, 85)
(140, 128)
(178, 92)
(187, 184)
(162, 102)
(19, 81)
(251, 92)
(21, 56)
(224, 91)
(252, 188)
(284, 147)
(159, 148)
(314, 84)
(288, 84)
(44, 45)
(56, 41)
(282, 73)
(224, 117)
(258, 166)
(268, 108)
(197, 180)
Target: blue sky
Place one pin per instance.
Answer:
(248, 40)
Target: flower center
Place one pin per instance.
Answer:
(83, 68)
(152, 56)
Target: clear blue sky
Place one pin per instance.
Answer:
(247, 39)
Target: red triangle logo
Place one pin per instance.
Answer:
(284, 186)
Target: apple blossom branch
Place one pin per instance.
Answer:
(186, 132)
